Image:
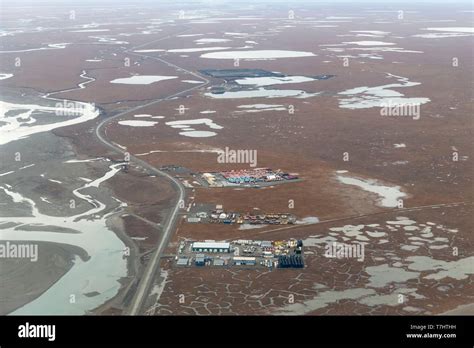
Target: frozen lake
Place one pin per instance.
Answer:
(142, 79)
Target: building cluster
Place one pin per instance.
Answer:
(271, 254)
(249, 177)
(255, 175)
(222, 217)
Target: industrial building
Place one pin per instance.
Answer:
(219, 262)
(202, 215)
(200, 260)
(183, 261)
(247, 177)
(211, 247)
(245, 261)
(246, 253)
(290, 261)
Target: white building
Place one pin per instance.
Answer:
(211, 247)
(242, 260)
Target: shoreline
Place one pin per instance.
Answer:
(134, 267)
(69, 253)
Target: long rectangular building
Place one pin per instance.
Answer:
(242, 260)
(211, 247)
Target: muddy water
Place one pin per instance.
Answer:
(27, 215)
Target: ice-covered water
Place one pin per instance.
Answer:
(251, 108)
(380, 96)
(263, 93)
(188, 131)
(389, 195)
(89, 30)
(369, 43)
(48, 47)
(446, 32)
(137, 123)
(197, 134)
(142, 79)
(210, 40)
(24, 122)
(105, 251)
(198, 49)
(257, 54)
(454, 29)
(4, 76)
(272, 80)
(206, 121)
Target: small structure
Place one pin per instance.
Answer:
(193, 219)
(200, 260)
(292, 243)
(211, 247)
(217, 89)
(210, 179)
(183, 261)
(218, 262)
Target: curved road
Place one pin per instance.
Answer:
(153, 264)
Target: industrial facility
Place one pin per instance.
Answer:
(211, 247)
(247, 177)
(248, 253)
(220, 216)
